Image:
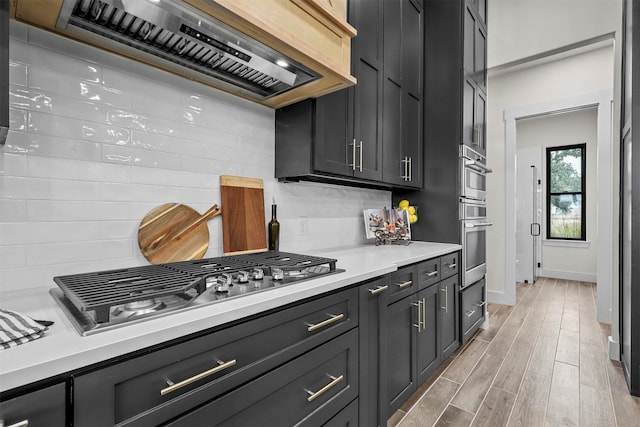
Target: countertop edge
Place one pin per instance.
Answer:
(27, 364)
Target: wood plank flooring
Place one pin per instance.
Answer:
(542, 362)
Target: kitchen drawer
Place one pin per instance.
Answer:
(429, 272)
(449, 264)
(401, 283)
(308, 391)
(140, 391)
(45, 408)
(348, 417)
(473, 308)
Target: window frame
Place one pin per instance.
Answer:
(582, 193)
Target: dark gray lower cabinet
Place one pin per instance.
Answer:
(308, 391)
(170, 383)
(422, 328)
(373, 299)
(348, 417)
(41, 408)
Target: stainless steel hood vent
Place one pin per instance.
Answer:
(167, 33)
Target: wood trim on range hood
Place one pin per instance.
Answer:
(312, 33)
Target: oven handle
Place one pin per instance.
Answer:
(474, 164)
(479, 224)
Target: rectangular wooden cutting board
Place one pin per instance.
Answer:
(243, 218)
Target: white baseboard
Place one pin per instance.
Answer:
(614, 349)
(569, 275)
(499, 298)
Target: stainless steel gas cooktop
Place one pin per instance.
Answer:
(105, 300)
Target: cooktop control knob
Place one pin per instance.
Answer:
(277, 274)
(257, 274)
(243, 277)
(224, 281)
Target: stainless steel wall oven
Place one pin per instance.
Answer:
(473, 215)
(473, 174)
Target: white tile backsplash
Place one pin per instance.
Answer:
(97, 141)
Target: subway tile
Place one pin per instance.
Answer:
(17, 119)
(17, 73)
(45, 167)
(53, 103)
(12, 210)
(139, 157)
(54, 253)
(76, 210)
(13, 256)
(71, 86)
(50, 232)
(12, 164)
(49, 189)
(66, 127)
(17, 30)
(52, 146)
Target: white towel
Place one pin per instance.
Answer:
(16, 329)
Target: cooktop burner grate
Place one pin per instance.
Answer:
(102, 290)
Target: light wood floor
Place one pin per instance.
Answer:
(542, 362)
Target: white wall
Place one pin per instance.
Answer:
(524, 28)
(584, 73)
(574, 260)
(96, 141)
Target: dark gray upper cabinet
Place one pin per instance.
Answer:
(369, 134)
(454, 111)
(402, 111)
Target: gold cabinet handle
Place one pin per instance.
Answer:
(446, 299)
(360, 156)
(405, 284)
(23, 423)
(419, 305)
(334, 318)
(378, 289)
(410, 171)
(454, 265)
(353, 144)
(173, 387)
(482, 304)
(424, 314)
(469, 313)
(314, 395)
(432, 273)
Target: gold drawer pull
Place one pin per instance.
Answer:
(470, 313)
(334, 318)
(481, 304)
(405, 284)
(23, 423)
(454, 265)
(313, 396)
(173, 387)
(433, 273)
(378, 289)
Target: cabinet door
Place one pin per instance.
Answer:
(44, 408)
(373, 353)
(366, 16)
(468, 111)
(333, 148)
(401, 341)
(469, 46)
(448, 297)
(481, 117)
(412, 94)
(427, 345)
(473, 307)
(480, 64)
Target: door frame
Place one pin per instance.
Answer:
(603, 100)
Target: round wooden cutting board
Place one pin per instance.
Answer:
(175, 232)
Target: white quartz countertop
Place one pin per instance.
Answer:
(63, 349)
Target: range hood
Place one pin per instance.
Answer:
(178, 37)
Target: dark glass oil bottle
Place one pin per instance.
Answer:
(274, 231)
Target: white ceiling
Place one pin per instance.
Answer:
(530, 29)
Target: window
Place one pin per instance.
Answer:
(566, 192)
